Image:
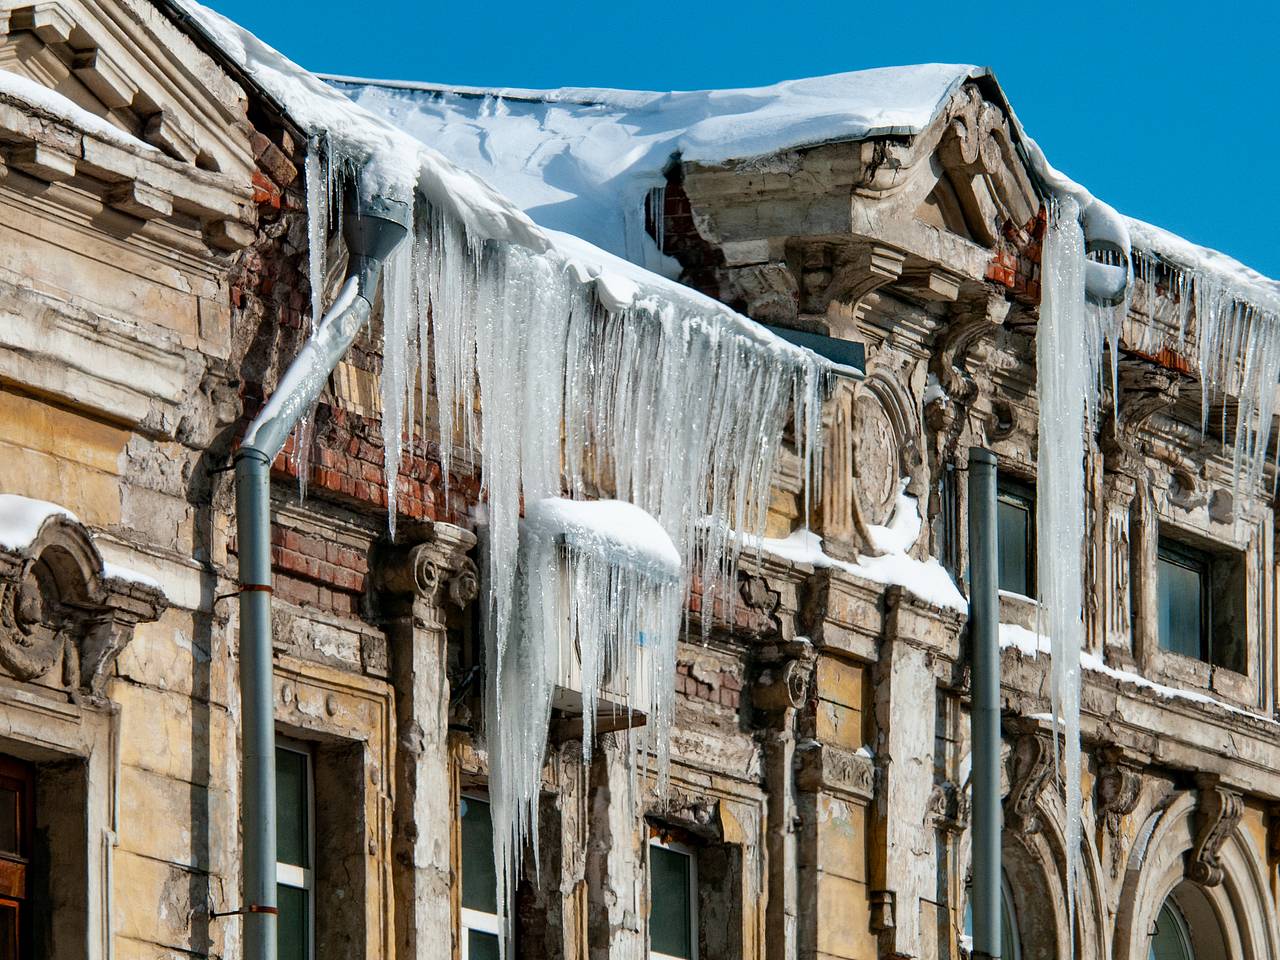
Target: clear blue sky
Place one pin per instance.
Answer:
(1170, 112)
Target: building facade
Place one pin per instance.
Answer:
(153, 288)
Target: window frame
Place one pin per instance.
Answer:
(691, 853)
(19, 776)
(1016, 492)
(291, 875)
(469, 918)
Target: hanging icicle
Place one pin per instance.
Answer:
(1069, 343)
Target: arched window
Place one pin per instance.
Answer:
(1171, 941)
(1010, 941)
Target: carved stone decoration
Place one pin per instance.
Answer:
(1217, 816)
(766, 292)
(1119, 787)
(1030, 766)
(949, 807)
(58, 605)
(694, 813)
(761, 603)
(821, 767)
(433, 568)
(464, 586)
(885, 450)
(1144, 391)
(781, 686)
(972, 322)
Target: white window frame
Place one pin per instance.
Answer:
(692, 854)
(288, 874)
(476, 920)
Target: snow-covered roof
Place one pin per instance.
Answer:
(580, 160)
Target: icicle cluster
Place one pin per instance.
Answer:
(1069, 341)
(557, 390)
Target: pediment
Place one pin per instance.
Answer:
(182, 148)
(963, 174)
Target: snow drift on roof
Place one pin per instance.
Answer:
(580, 160)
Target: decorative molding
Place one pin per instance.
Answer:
(1218, 814)
(1030, 767)
(58, 606)
(823, 768)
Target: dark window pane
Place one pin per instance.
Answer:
(1180, 596)
(1013, 531)
(8, 930)
(479, 886)
(9, 808)
(670, 929)
(291, 808)
(294, 924)
(1170, 939)
(481, 946)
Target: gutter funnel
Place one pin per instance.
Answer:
(373, 229)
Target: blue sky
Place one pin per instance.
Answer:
(1170, 112)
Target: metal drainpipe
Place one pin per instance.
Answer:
(984, 711)
(372, 229)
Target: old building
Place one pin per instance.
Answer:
(155, 283)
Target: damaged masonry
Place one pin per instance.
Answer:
(591, 579)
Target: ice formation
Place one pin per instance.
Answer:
(595, 379)
(1068, 352)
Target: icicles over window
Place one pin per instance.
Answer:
(1068, 353)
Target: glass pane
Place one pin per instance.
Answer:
(291, 807)
(1013, 524)
(1169, 941)
(670, 930)
(294, 924)
(481, 946)
(1180, 615)
(479, 885)
(9, 821)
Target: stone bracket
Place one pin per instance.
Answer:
(1217, 816)
(1119, 786)
(1030, 767)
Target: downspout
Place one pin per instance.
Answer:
(372, 230)
(984, 708)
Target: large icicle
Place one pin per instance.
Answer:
(1069, 341)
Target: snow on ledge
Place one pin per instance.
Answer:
(14, 86)
(613, 530)
(21, 519)
(926, 579)
(1031, 644)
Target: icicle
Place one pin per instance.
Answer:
(1068, 352)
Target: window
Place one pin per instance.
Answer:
(1200, 601)
(673, 901)
(1170, 941)
(480, 931)
(16, 819)
(295, 852)
(1010, 942)
(1016, 537)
